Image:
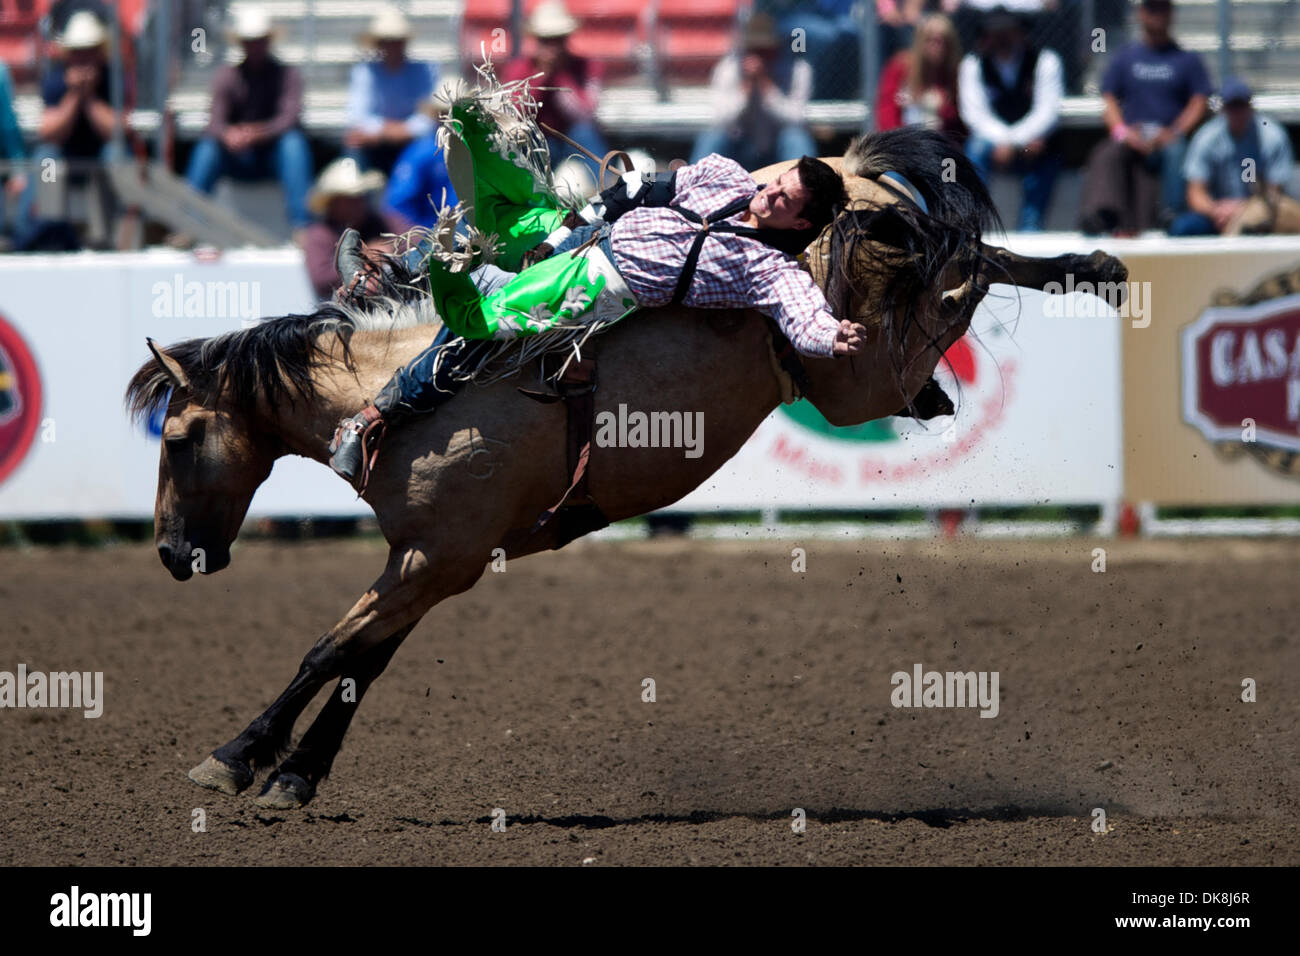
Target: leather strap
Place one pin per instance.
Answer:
(714, 222)
(577, 388)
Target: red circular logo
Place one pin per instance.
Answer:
(20, 399)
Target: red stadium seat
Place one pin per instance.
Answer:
(610, 31)
(18, 35)
(692, 35)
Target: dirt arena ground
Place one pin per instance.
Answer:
(1118, 690)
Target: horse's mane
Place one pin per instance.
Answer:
(276, 358)
(913, 248)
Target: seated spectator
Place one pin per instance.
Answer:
(253, 132)
(385, 95)
(1011, 100)
(832, 41)
(12, 205)
(1237, 169)
(79, 121)
(420, 185)
(759, 98)
(1154, 93)
(341, 199)
(919, 86)
(570, 106)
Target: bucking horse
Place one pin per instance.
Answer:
(907, 259)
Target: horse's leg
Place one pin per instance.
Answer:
(409, 586)
(1034, 273)
(294, 782)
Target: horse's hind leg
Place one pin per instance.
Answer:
(294, 782)
(409, 586)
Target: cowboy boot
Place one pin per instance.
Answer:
(349, 262)
(423, 385)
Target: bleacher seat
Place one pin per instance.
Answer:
(610, 32)
(18, 36)
(692, 35)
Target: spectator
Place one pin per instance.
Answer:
(898, 20)
(385, 95)
(253, 132)
(416, 188)
(12, 150)
(570, 106)
(341, 200)
(759, 99)
(1011, 100)
(1154, 93)
(1237, 169)
(919, 86)
(832, 41)
(79, 121)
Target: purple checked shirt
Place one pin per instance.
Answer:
(651, 243)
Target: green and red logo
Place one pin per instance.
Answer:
(20, 399)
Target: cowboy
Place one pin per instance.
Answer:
(384, 95)
(253, 132)
(709, 237)
(79, 119)
(341, 200)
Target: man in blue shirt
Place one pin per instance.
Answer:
(415, 189)
(1234, 156)
(1155, 93)
(385, 95)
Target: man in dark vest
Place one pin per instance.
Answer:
(253, 132)
(1010, 96)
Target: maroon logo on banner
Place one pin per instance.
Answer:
(20, 399)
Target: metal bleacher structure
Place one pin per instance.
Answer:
(657, 56)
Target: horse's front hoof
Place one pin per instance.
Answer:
(285, 791)
(1108, 268)
(215, 775)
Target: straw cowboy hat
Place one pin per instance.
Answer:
(388, 24)
(83, 32)
(251, 23)
(342, 178)
(551, 20)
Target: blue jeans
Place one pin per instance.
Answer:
(287, 158)
(792, 142)
(1192, 224)
(1038, 178)
(1173, 188)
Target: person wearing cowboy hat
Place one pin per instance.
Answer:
(253, 132)
(570, 107)
(341, 199)
(1220, 199)
(385, 94)
(79, 119)
(759, 99)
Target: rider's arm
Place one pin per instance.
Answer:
(779, 288)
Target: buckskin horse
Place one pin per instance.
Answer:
(473, 477)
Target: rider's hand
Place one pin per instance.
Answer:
(538, 253)
(850, 338)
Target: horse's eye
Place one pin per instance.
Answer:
(176, 443)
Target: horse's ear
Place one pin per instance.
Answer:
(169, 365)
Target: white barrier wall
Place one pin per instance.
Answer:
(1038, 423)
(84, 318)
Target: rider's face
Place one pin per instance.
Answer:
(778, 205)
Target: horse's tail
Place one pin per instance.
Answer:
(910, 251)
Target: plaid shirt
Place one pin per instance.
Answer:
(651, 244)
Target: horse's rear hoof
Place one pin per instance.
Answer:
(215, 775)
(285, 791)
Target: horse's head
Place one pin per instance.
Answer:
(211, 462)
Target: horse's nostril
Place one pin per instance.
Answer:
(165, 553)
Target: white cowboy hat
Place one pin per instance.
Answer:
(388, 24)
(251, 23)
(551, 19)
(342, 178)
(83, 32)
